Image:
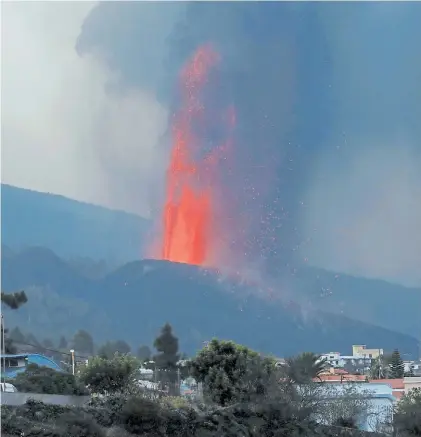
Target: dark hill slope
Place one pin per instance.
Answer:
(200, 307)
(135, 300)
(369, 300)
(69, 228)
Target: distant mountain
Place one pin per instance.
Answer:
(68, 227)
(132, 302)
(389, 305)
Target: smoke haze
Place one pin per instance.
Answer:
(327, 98)
(67, 125)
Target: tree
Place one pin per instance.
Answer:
(397, 368)
(30, 338)
(110, 348)
(144, 353)
(83, 342)
(304, 368)
(12, 301)
(48, 343)
(62, 344)
(109, 375)
(407, 417)
(17, 336)
(36, 379)
(167, 358)
(380, 367)
(230, 372)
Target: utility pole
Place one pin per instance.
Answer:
(72, 351)
(3, 348)
(178, 381)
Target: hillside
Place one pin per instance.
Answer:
(136, 299)
(68, 227)
(373, 301)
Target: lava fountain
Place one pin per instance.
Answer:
(189, 215)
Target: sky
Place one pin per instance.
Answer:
(327, 95)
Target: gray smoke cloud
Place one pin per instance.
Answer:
(67, 124)
(364, 196)
(327, 98)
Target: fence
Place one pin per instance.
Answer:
(21, 398)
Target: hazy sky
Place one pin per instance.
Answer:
(66, 126)
(90, 123)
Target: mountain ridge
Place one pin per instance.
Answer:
(69, 227)
(133, 301)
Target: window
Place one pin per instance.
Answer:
(12, 362)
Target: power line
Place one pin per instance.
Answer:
(38, 346)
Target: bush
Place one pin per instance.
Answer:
(407, 418)
(36, 379)
(106, 376)
(80, 426)
(140, 415)
(346, 422)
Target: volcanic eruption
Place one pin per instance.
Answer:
(192, 177)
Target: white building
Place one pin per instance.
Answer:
(336, 360)
(380, 401)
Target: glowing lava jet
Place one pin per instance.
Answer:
(189, 211)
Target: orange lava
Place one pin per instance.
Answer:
(189, 210)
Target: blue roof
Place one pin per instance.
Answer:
(38, 359)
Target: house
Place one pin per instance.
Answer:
(338, 375)
(11, 365)
(397, 385)
(380, 402)
(411, 382)
(361, 350)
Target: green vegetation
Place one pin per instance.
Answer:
(244, 394)
(110, 348)
(113, 375)
(38, 379)
(12, 301)
(231, 373)
(397, 368)
(305, 367)
(407, 419)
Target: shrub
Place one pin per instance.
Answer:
(80, 426)
(140, 415)
(109, 376)
(37, 379)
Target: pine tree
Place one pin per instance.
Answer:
(143, 353)
(110, 348)
(167, 358)
(397, 368)
(83, 342)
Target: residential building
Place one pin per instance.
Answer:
(397, 385)
(341, 376)
(413, 367)
(351, 363)
(411, 382)
(361, 350)
(380, 402)
(11, 365)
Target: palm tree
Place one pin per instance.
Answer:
(304, 367)
(13, 300)
(380, 368)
